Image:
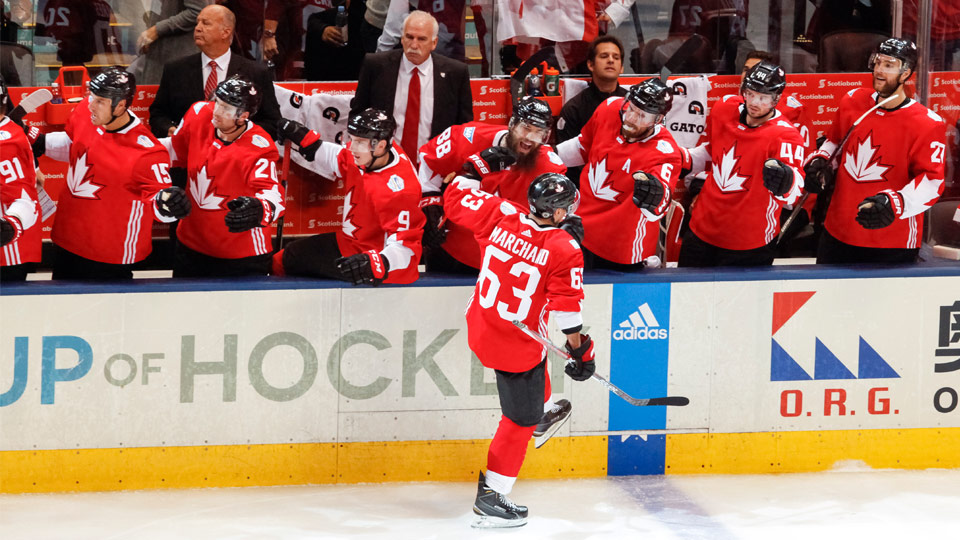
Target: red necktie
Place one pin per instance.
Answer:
(411, 120)
(211, 81)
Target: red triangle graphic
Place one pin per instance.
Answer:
(785, 304)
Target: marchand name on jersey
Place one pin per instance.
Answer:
(519, 247)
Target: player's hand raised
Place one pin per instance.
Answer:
(649, 193)
(491, 160)
(573, 225)
(434, 233)
(173, 202)
(307, 141)
(818, 175)
(777, 177)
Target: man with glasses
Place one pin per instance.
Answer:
(756, 155)
(232, 179)
(632, 163)
(379, 238)
(890, 166)
(452, 247)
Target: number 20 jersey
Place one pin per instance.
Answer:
(527, 270)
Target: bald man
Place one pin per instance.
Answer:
(193, 78)
(386, 81)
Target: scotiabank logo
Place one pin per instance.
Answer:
(640, 325)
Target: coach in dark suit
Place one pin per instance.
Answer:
(426, 93)
(193, 78)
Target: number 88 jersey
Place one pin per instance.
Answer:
(528, 270)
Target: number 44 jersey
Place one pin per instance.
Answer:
(527, 270)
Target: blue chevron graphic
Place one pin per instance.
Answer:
(826, 365)
(783, 367)
(872, 365)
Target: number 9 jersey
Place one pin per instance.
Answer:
(527, 270)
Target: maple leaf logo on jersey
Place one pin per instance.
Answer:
(918, 194)
(77, 181)
(348, 227)
(862, 167)
(726, 175)
(202, 192)
(599, 182)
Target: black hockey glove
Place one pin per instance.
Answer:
(307, 141)
(649, 193)
(582, 366)
(434, 233)
(491, 160)
(368, 267)
(173, 202)
(574, 227)
(880, 210)
(777, 177)
(818, 175)
(246, 213)
(10, 230)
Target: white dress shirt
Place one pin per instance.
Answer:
(426, 98)
(223, 62)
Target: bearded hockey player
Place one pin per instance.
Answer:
(117, 184)
(891, 166)
(232, 179)
(379, 238)
(756, 155)
(549, 279)
(451, 247)
(20, 217)
(632, 163)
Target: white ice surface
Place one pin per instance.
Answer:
(848, 504)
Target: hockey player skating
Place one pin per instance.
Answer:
(756, 154)
(891, 166)
(379, 237)
(232, 179)
(530, 267)
(451, 246)
(117, 184)
(632, 163)
(20, 217)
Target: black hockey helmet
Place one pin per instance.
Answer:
(651, 96)
(240, 93)
(114, 83)
(900, 48)
(372, 124)
(765, 77)
(532, 111)
(549, 192)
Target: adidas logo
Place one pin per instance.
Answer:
(641, 324)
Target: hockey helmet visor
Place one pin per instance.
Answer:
(372, 124)
(765, 78)
(651, 95)
(114, 84)
(240, 93)
(549, 192)
(892, 49)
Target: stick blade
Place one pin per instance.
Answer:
(676, 401)
(33, 101)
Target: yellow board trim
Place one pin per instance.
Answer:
(811, 451)
(110, 469)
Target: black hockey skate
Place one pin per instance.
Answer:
(551, 421)
(495, 510)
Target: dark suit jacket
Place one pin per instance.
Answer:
(182, 85)
(452, 99)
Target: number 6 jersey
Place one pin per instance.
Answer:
(527, 270)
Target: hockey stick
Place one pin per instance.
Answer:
(30, 103)
(834, 164)
(681, 55)
(519, 77)
(284, 174)
(671, 400)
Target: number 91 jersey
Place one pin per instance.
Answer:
(527, 270)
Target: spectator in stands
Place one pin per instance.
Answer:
(330, 55)
(424, 92)
(195, 77)
(248, 26)
(169, 38)
(284, 34)
(373, 22)
(605, 63)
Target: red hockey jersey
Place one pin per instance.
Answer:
(528, 270)
(735, 210)
(902, 150)
(447, 153)
(614, 228)
(381, 209)
(107, 208)
(219, 172)
(18, 194)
